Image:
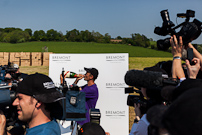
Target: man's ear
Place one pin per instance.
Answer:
(38, 104)
(91, 77)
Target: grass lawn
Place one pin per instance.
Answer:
(82, 47)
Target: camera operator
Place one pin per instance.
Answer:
(16, 74)
(37, 102)
(90, 90)
(13, 74)
(140, 122)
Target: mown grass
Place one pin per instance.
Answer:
(82, 47)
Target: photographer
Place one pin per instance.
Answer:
(153, 97)
(90, 90)
(37, 102)
(13, 74)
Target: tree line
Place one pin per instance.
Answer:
(17, 35)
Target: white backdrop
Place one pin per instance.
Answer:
(112, 98)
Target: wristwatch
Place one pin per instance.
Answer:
(177, 57)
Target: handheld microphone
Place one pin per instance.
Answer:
(146, 79)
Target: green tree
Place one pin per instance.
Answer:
(86, 36)
(107, 38)
(42, 35)
(29, 31)
(73, 35)
(17, 36)
(118, 37)
(52, 35)
(97, 37)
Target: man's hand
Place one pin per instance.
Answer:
(80, 76)
(192, 70)
(2, 123)
(176, 47)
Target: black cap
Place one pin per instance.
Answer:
(91, 128)
(93, 71)
(41, 87)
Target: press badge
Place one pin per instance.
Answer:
(73, 100)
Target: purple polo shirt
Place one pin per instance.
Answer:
(91, 100)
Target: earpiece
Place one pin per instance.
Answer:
(36, 103)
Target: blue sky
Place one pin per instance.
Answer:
(116, 17)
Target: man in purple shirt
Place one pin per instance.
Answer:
(90, 90)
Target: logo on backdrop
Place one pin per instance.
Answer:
(115, 113)
(61, 58)
(115, 58)
(81, 71)
(115, 85)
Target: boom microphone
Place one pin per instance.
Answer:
(146, 79)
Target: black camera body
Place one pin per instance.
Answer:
(7, 96)
(138, 98)
(189, 31)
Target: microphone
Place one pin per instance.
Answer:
(146, 79)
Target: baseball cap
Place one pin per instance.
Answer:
(13, 65)
(93, 71)
(41, 87)
(91, 128)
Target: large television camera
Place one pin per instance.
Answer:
(7, 96)
(189, 31)
(152, 82)
(138, 98)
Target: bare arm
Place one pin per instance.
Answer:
(196, 53)
(2, 123)
(177, 70)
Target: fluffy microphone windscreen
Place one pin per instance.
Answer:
(143, 78)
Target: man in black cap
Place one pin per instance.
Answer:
(90, 90)
(36, 100)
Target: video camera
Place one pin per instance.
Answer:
(11, 69)
(138, 98)
(189, 31)
(7, 96)
(152, 80)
